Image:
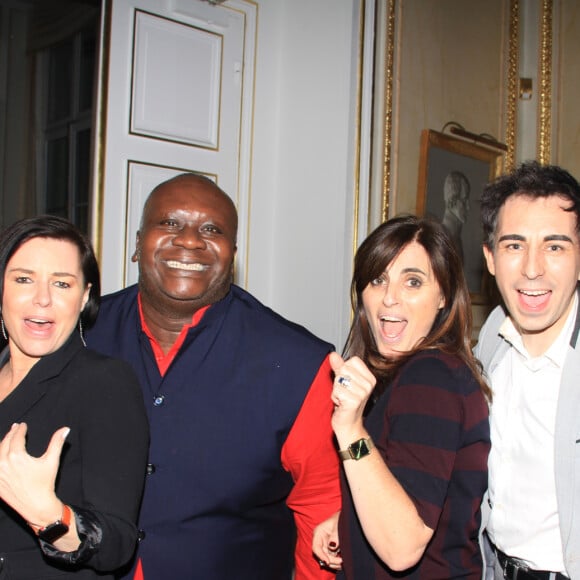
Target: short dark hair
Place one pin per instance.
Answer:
(451, 330)
(57, 228)
(530, 179)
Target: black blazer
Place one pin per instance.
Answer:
(102, 468)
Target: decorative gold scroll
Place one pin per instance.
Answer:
(545, 84)
(388, 128)
(512, 83)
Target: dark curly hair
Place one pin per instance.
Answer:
(530, 179)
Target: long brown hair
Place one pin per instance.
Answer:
(451, 330)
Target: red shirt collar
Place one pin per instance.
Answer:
(164, 360)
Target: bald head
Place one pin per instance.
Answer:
(198, 182)
(186, 246)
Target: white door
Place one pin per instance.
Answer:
(175, 96)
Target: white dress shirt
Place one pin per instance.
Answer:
(524, 521)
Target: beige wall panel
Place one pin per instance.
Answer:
(568, 125)
(449, 66)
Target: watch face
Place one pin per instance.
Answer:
(53, 532)
(359, 449)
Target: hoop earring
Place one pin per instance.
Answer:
(3, 328)
(81, 333)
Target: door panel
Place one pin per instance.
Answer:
(183, 108)
(175, 97)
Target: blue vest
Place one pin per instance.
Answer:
(214, 504)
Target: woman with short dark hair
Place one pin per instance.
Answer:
(73, 429)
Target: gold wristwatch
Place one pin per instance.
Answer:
(357, 450)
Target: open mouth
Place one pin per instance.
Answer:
(38, 323)
(392, 327)
(190, 267)
(534, 299)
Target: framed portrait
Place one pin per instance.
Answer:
(452, 174)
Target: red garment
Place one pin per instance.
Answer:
(308, 454)
(164, 360)
(139, 571)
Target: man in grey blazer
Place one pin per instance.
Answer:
(530, 351)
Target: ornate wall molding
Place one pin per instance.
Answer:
(392, 30)
(388, 96)
(545, 84)
(512, 85)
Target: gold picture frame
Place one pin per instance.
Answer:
(452, 174)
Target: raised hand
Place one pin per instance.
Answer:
(353, 385)
(27, 482)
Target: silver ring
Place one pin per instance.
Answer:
(344, 381)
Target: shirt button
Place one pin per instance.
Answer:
(141, 535)
(150, 469)
(159, 400)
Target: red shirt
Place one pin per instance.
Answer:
(308, 454)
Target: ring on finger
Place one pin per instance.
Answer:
(344, 381)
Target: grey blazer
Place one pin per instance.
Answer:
(490, 350)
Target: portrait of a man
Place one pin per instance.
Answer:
(456, 190)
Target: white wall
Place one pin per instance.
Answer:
(303, 170)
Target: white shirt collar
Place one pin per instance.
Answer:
(557, 350)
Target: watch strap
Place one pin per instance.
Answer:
(64, 521)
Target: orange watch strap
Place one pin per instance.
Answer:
(65, 519)
(66, 515)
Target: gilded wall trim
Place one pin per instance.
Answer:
(361, 47)
(388, 91)
(545, 84)
(512, 86)
(511, 91)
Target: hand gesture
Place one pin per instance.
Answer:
(26, 482)
(353, 385)
(325, 543)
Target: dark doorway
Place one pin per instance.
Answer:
(48, 59)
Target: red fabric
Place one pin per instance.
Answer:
(165, 360)
(139, 571)
(310, 456)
